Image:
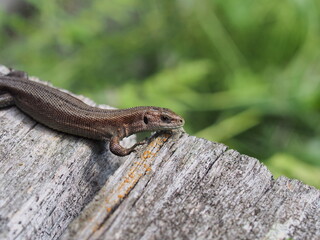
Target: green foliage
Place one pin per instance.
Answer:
(285, 164)
(245, 73)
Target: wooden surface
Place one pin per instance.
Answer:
(57, 186)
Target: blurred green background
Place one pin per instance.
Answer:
(244, 73)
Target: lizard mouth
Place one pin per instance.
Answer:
(179, 124)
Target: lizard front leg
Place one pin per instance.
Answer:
(117, 149)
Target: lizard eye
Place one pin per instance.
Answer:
(145, 119)
(165, 119)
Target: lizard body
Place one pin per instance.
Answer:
(63, 112)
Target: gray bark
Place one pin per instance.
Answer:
(58, 186)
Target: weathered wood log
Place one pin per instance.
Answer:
(57, 186)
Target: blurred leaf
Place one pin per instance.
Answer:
(231, 126)
(285, 164)
(164, 88)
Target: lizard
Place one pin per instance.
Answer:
(63, 112)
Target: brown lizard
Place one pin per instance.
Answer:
(63, 112)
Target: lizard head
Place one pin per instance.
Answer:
(156, 118)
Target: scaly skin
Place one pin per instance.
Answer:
(61, 111)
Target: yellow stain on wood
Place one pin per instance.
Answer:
(138, 169)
